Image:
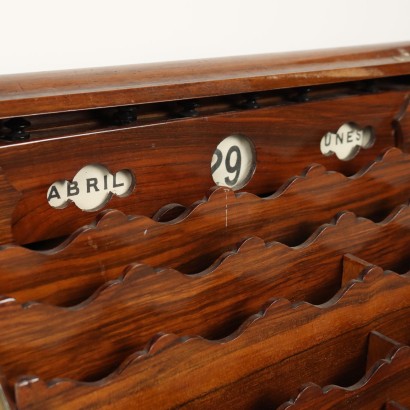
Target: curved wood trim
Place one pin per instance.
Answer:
(67, 90)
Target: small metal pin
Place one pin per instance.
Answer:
(299, 95)
(188, 109)
(17, 127)
(250, 102)
(125, 115)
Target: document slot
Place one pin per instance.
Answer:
(244, 364)
(192, 242)
(387, 376)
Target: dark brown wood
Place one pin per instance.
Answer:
(169, 212)
(285, 344)
(122, 315)
(8, 201)
(352, 267)
(95, 254)
(172, 160)
(386, 379)
(393, 405)
(379, 346)
(401, 126)
(26, 94)
(163, 123)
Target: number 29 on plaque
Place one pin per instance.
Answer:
(233, 162)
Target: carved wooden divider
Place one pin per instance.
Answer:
(288, 290)
(147, 296)
(192, 242)
(387, 376)
(256, 362)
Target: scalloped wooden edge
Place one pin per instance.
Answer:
(170, 340)
(352, 266)
(340, 220)
(312, 390)
(111, 218)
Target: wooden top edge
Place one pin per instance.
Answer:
(67, 90)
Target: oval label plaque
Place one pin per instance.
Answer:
(233, 162)
(91, 188)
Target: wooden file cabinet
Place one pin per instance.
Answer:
(231, 233)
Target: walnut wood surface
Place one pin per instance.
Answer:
(379, 346)
(285, 344)
(169, 212)
(401, 126)
(273, 353)
(393, 405)
(171, 160)
(123, 315)
(26, 94)
(388, 378)
(95, 254)
(8, 201)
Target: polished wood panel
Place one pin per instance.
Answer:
(285, 344)
(171, 160)
(27, 94)
(163, 123)
(123, 314)
(388, 378)
(393, 405)
(8, 201)
(97, 253)
(401, 126)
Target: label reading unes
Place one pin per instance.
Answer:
(347, 141)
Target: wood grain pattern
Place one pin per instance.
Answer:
(285, 343)
(393, 405)
(27, 94)
(8, 201)
(97, 253)
(171, 160)
(388, 378)
(148, 301)
(353, 266)
(378, 347)
(401, 126)
(169, 212)
(284, 104)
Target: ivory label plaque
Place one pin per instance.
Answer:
(347, 141)
(91, 188)
(233, 162)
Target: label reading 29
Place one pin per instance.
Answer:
(233, 162)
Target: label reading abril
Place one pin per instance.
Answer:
(91, 188)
